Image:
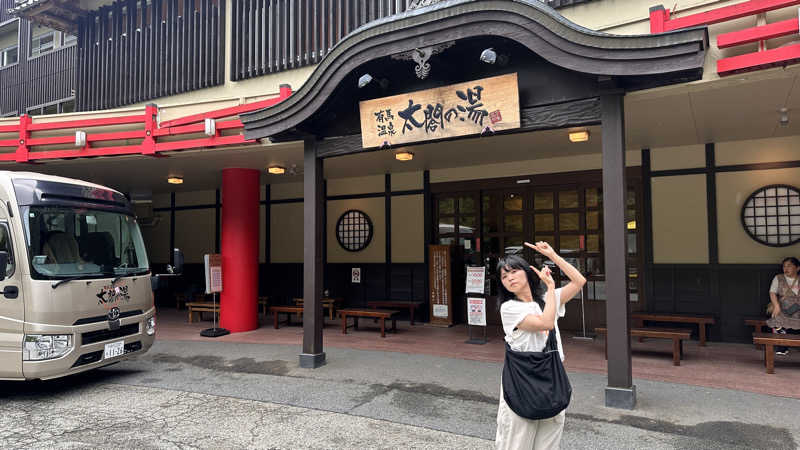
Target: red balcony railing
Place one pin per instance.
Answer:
(660, 21)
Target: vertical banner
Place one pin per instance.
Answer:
(440, 285)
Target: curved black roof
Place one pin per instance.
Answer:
(666, 58)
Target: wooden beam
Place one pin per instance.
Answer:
(759, 60)
(755, 34)
(726, 13)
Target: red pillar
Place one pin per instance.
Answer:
(240, 205)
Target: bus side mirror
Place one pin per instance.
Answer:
(3, 265)
(177, 261)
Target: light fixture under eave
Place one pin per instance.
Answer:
(175, 180)
(578, 136)
(404, 156)
(276, 170)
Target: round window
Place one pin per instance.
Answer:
(771, 215)
(354, 230)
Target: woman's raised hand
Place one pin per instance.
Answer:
(543, 248)
(545, 276)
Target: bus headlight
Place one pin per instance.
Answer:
(38, 347)
(150, 326)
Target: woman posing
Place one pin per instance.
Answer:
(529, 313)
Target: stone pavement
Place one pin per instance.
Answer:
(213, 395)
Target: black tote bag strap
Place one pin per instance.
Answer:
(550, 346)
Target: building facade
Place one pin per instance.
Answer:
(704, 103)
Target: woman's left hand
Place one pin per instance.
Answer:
(543, 248)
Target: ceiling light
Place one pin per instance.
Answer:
(404, 156)
(578, 136)
(276, 170)
(175, 180)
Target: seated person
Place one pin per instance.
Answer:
(61, 248)
(784, 295)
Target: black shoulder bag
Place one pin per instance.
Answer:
(535, 384)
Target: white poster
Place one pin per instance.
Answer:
(476, 311)
(355, 275)
(440, 311)
(213, 270)
(475, 279)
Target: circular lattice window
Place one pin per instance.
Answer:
(354, 230)
(771, 215)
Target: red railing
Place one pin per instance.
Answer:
(660, 22)
(149, 133)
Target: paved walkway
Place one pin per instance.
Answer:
(720, 365)
(210, 395)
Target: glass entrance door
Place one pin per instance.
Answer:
(569, 217)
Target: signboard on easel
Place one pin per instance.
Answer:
(213, 269)
(441, 294)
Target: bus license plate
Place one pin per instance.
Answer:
(114, 349)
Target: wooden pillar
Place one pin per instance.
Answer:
(313, 228)
(620, 392)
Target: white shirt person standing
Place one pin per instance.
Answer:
(527, 317)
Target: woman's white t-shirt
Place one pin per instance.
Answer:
(512, 312)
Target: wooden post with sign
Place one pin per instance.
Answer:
(441, 285)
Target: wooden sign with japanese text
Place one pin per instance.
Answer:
(471, 108)
(440, 283)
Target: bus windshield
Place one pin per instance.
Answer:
(68, 242)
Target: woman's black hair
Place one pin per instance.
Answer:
(511, 262)
(791, 259)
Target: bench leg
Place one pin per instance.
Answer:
(676, 352)
(639, 324)
(276, 319)
(344, 323)
(355, 322)
(394, 325)
(702, 335)
(769, 357)
(190, 315)
(383, 327)
(411, 310)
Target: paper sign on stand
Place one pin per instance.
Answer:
(476, 306)
(213, 272)
(476, 277)
(477, 311)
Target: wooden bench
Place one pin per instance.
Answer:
(200, 307)
(381, 314)
(411, 305)
(769, 341)
(329, 303)
(701, 321)
(758, 323)
(677, 336)
(263, 305)
(288, 310)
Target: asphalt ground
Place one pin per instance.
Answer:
(213, 395)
